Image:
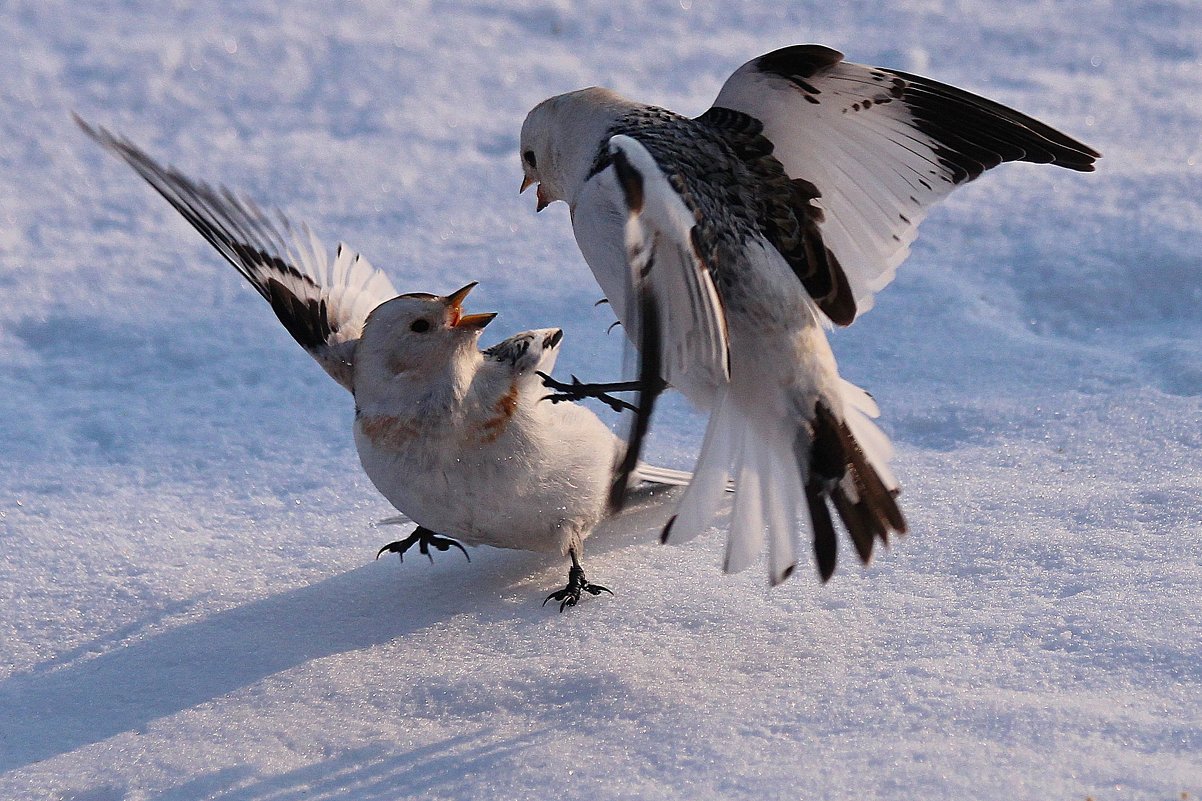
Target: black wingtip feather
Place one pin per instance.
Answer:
(651, 384)
(826, 550)
(631, 181)
(243, 235)
(984, 131)
(667, 532)
(306, 321)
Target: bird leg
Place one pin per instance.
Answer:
(578, 391)
(577, 583)
(424, 539)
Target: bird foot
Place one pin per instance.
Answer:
(577, 583)
(424, 539)
(577, 390)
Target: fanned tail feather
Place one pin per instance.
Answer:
(838, 467)
(768, 492)
(782, 500)
(746, 538)
(699, 505)
(851, 472)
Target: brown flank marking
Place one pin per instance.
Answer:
(388, 431)
(505, 406)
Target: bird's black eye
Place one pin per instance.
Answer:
(420, 326)
(528, 156)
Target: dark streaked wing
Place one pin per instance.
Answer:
(527, 352)
(322, 303)
(789, 217)
(881, 147)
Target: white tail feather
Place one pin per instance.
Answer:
(769, 504)
(782, 499)
(859, 409)
(699, 505)
(859, 398)
(746, 538)
(769, 494)
(770, 501)
(662, 475)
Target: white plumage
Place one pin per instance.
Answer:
(457, 439)
(742, 233)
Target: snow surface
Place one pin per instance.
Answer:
(190, 608)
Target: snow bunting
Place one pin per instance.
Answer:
(726, 242)
(455, 438)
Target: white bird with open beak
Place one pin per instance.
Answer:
(727, 242)
(456, 438)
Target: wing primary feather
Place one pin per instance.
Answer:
(322, 306)
(650, 386)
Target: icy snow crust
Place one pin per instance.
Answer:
(189, 608)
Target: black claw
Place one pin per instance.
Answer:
(577, 583)
(577, 390)
(424, 539)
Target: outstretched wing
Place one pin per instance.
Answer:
(322, 302)
(674, 312)
(879, 148)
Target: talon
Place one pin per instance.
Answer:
(448, 542)
(423, 538)
(578, 390)
(577, 583)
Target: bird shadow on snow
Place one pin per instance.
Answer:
(374, 772)
(71, 701)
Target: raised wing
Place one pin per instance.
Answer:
(675, 313)
(527, 352)
(322, 303)
(664, 258)
(880, 147)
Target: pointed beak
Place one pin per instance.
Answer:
(455, 299)
(475, 321)
(543, 200)
(454, 302)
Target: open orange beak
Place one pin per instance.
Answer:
(454, 302)
(543, 201)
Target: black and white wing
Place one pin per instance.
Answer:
(527, 353)
(870, 150)
(675, 312)
(664, 256)
(322, 302)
